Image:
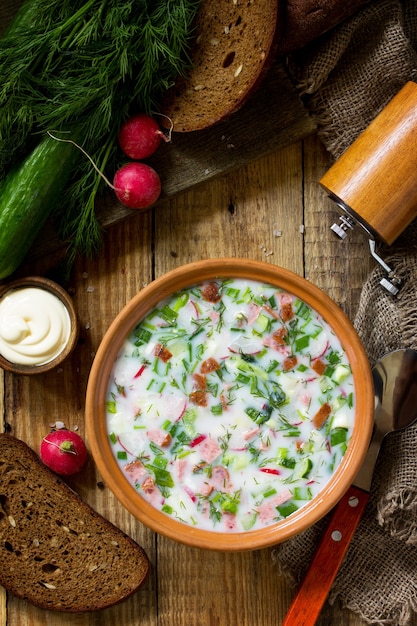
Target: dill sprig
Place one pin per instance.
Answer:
(80, 67)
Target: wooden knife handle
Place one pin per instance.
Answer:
(314, 589)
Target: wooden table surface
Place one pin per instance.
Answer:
(270, 209)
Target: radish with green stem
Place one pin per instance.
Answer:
(140, 136)
(137, 185)
(63, 451)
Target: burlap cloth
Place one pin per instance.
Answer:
(345, 79)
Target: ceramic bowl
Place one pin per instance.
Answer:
(49, 286)
(98, 383)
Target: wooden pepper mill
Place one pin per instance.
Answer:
(374, 182)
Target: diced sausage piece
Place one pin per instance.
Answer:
(200, 382)
(162, 353)
(209, 365)
(160, 437)
(318, 366)
(220, 477)
(181, 467)
(279, 336)
(148, 485)
(209, 450)
(135, 470)
(229, 521)
(289, 363)
(199, 398)
(322, 415)
(287, 312)
(206, 489)
(282, 497)
(268, 509)
(210, 292)
(266, 512)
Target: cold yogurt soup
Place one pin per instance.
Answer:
(230, 405)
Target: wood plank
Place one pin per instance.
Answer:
(237, 215)
(3, 595)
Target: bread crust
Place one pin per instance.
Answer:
(56, 552)
(305, 20)
(233, 49)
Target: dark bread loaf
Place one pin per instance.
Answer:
(306, 20)
(234, 47)
(55, 550)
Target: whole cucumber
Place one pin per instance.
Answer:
(27, 195)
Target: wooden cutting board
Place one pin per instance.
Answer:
(273, 118)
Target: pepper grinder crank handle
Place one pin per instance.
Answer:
(374, 182)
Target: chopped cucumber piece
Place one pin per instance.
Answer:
(287, 509)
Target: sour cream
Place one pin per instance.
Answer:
(34, 326)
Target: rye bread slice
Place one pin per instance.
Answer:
(233, 49)
(56, 551)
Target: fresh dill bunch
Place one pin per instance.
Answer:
(23, 50)
(80, 67)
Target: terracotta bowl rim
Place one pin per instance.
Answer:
(58, 291)
(130, 315)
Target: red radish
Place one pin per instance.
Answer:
(137, 185)
(140, 136)
(63, 451)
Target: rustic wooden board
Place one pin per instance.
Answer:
(273, 118)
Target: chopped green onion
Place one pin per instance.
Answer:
(111, 406)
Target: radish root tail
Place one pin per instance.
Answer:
(74, 143)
